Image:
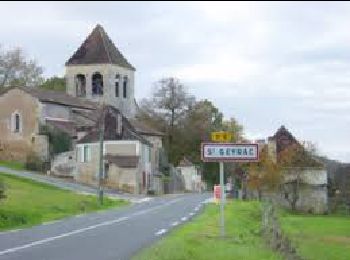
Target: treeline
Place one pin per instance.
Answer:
(185, 122)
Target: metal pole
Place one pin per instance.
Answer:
(100, 176)
(222, 216)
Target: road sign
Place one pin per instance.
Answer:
(229, 152)
(217, 192)
(221, 136)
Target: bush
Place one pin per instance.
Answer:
(34, 163)
(2, 190)
(151, 192)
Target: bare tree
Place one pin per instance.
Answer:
(166, 108)
(16, 70)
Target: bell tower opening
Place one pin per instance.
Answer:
(97, 84)
(80, 85)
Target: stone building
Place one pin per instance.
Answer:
(312, 177)
(191, 174)
(97, 71)
(62, 128)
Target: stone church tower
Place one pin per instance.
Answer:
(99, 72)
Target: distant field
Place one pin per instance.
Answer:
(13, 165)
(199, 239)
(29, 203)
(319, 237)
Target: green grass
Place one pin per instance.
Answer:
(318, 237)
(13, 165)
(29, 203)
(199, 239)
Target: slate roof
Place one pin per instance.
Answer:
(67, 127)
(57, 97)
(128, 131)
(144, 129)
(283, 139)
(123, 161)
(98, 48)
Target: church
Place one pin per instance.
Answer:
(61, 130)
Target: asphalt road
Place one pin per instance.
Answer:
(113, 234)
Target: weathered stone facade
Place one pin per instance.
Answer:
(18, 144)
(99, 72)
(312, 181)
(124, 164)
(56, 126)
(109, 72)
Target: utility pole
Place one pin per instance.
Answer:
(222, 197)
(100, 175)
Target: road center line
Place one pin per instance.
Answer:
(43, 241)
(77, 231)
(175, 223)
(161, 232)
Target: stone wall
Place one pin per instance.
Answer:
(17, 145)
(125, 179)
(313, 194)
(64, 164)
(108, 71)
(121, 178)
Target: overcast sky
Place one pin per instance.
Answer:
(266, 64)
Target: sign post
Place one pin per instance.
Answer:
(227, 152)
(222, 216)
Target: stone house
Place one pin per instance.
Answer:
(61, 128)
(312, 177)
(191, 174)
(23, 114)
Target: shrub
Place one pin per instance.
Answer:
(34, 163)
(2, 190)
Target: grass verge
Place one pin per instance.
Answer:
(13, 165)
(320, 237)
(199, 239)
(29, 203)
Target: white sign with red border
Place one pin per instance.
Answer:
(229, 152)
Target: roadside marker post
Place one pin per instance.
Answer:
(227, 152)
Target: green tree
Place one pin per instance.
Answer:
(54, 83)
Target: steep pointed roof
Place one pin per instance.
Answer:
(98, 48)
(283, 139)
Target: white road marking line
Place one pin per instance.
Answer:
(183, 219)
(43, 241)
(161, 232)
(77, 231)
(175, 223)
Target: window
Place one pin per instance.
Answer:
(117, 79)
(16, 122)
(119, 124)
(85, 153)
(106, 170)
(97, 84)
(80, 85)
(125, 84)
